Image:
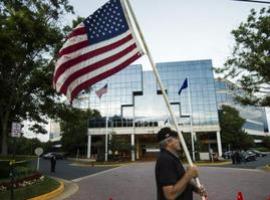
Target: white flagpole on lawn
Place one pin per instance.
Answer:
(129, 8)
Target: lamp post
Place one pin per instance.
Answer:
(15, 132)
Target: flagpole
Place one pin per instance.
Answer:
(191, 120)
(162, 89)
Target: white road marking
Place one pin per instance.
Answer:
(96, 174)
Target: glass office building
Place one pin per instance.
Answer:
(134, 108)
(256, 122)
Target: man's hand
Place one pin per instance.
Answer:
(201, 191)
(192, 171)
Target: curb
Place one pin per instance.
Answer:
(266, 168)
(51, 194)
(213, 164)
(70, 189)
(98, 165)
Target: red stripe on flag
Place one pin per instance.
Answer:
(95, 66)
(104, 75)
(61, 69)
(74, 47)
(77, 31)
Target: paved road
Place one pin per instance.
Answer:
(136, 181)
(65, 170)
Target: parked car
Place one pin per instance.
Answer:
(258, 153)
(248, 156)
(58, 155)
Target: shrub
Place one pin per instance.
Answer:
(21, 168)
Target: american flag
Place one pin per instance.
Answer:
(102, 91)
(103, 44)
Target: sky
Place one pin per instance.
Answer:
(178, 30)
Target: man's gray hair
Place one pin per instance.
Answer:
(164, 142)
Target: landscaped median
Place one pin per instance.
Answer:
(44, 189)
(27, 182)
(51, 194)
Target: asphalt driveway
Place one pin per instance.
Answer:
(65, 169)
(136, 181)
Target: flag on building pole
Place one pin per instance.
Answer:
(102, 91)
(166, 121)
(103, 44)
(184, 86)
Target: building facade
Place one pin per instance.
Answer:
(134, 109)
(54, 131)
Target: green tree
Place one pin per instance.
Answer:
(74, 125)
(266, 142)
(231, 129)
(119, 143)
(30, 36)
(250, 60)
(26, 146)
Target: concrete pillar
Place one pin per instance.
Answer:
(89, 146)
(219, 144)
(133, 145)
(193, 146)
(106, 140)
(137, 149)
(106, 147)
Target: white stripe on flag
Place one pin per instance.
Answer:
(64, 76)
(74, 40)
(99, 71)
(65, 58)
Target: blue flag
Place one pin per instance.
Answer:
(166, 121)
(184, 86)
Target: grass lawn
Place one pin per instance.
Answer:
(32, 191)
(267, 168)
(263, 149)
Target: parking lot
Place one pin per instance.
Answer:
(259, 163)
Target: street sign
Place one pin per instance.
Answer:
(16, 129)
(38, 151)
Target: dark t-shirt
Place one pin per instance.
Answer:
(169, 170)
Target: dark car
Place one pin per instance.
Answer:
(258, 153)
(58, 155)
(248, 156)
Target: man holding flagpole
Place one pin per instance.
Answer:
(173, 182)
